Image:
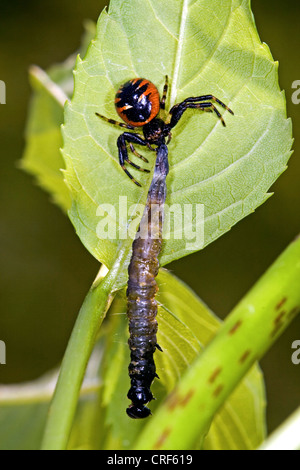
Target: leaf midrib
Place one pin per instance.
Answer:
(179, 52)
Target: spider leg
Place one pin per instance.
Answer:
(150, 147)
(115, 123)
(178, 110)
(123, 139)
(169, 138)
(208, 98)
(205, 107)
(138, 154)
(137, 167)
(165, 92)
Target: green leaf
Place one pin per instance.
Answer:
(205, 46)
(24, 409)
(185, 326)
(42, 157)
(21, 426)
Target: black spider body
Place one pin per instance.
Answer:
(138, 104)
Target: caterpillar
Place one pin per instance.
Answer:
(142, 289)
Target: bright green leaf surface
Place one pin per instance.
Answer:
(205, 46)
(185, 323)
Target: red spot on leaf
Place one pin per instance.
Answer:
(173, 401)
(279, 317)
(162, 439)
(245, 356)
(235, 327)
(214, 375)
(278, 323)
(218, 390)
(185, 400)
(281, 303)
(176, 400)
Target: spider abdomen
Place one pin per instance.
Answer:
(137, 102)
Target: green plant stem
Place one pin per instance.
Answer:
(41, 77)
(91, 315)
(249, 331)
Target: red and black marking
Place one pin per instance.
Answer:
(137, 102)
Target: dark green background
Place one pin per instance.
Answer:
(44, 270)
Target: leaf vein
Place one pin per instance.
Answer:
(179, 52)
(214, 50)
(161, 22)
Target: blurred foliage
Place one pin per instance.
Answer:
(41, 256)
(42, 157)
(101, 421)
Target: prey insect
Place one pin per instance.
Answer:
(138, 103)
